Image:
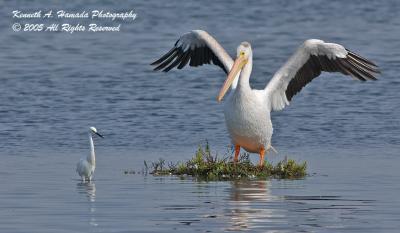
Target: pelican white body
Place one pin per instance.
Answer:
(247, 113)
(242, 116)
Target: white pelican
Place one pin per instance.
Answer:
(247, 111)
(86, 166)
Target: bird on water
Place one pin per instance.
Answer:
(86, 166)
(248, 111)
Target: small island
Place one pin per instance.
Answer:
(207, 167)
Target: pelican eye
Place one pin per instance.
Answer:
(242, 53)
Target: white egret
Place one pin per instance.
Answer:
(248, 111)
(86, 166)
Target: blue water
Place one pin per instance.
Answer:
(55, 85)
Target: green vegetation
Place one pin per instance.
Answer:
(205, 166)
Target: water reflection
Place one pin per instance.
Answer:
(89, 189)
(246, 204)
(252, 206)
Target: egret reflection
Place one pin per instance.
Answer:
(89, 190)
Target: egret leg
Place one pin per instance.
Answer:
(237, 151)
(262, 155)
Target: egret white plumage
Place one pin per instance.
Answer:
(247, 111)
(86, 166)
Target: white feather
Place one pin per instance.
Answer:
(276, 88)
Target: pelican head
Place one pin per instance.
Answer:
(243, 53)
(94, 131)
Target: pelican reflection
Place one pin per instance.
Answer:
(247, 205)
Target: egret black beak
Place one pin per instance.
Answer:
(99, 135)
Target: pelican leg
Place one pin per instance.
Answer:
(262, 155)
(237, 151)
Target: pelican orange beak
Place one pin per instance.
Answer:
(237, 66)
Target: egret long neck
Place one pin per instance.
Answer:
(91, 158)
(244, 77)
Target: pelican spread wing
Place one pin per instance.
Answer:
(199, 48)
(247, 111)
(307, 63)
